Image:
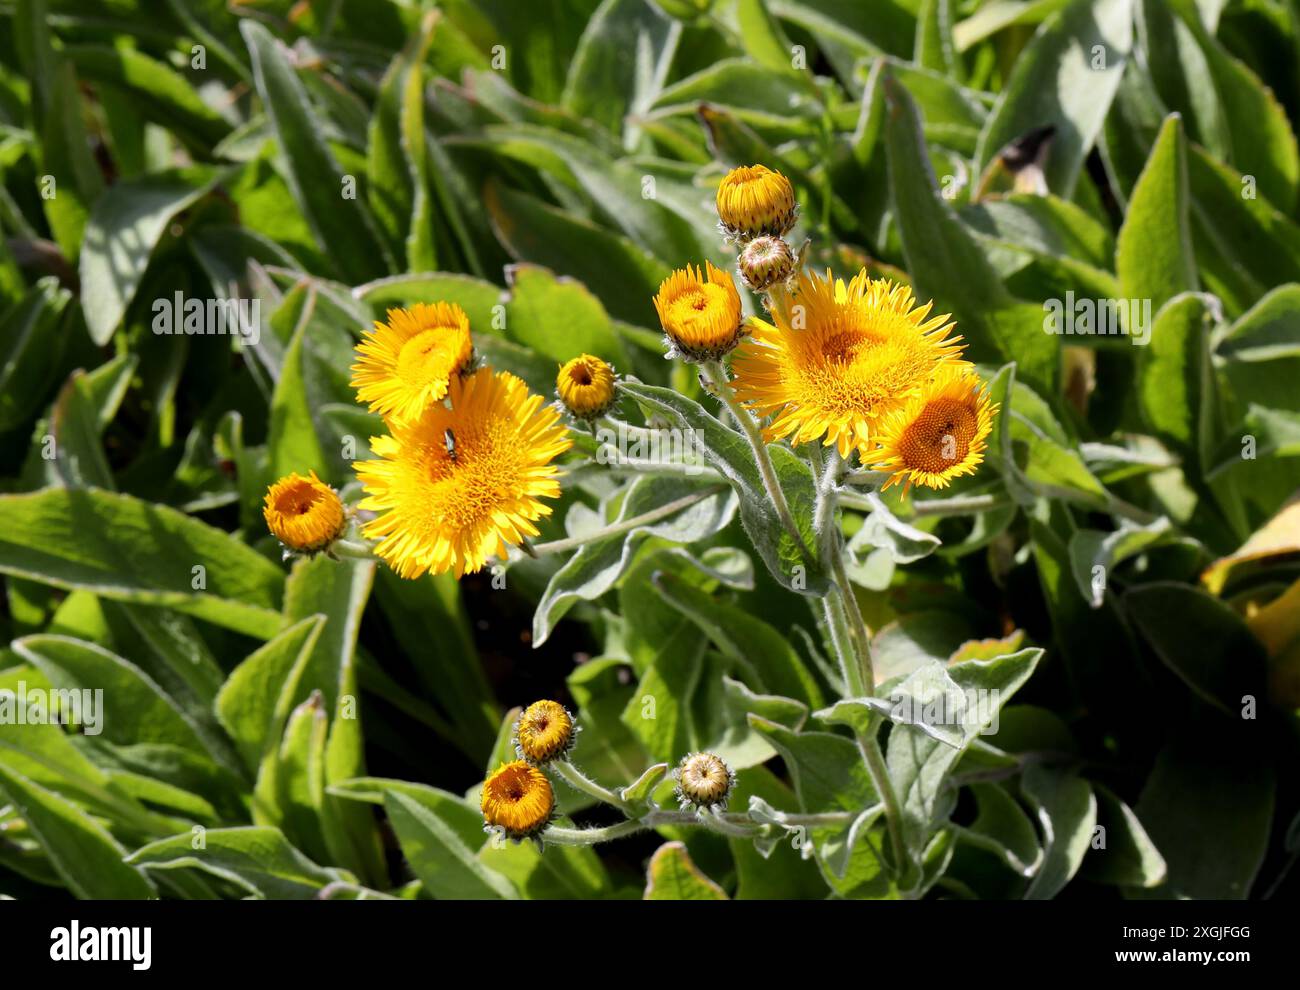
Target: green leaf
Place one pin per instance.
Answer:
(1129, 858)
(77, 665)
(157, 92)
(30, 348)
(623, 275)
(68, 163)
(919, 763)
(256, 698)
(672, 876)
(339, 590)
(727, 451)
(538, 301)
(828, 774)
(476, 297)
(620, 65)
(1091, 549)
(429, 622)
(445, 864)
(1213, 849)
(1201, 639)
(1065, 77)
(599, 563)
(85, 855)
(750, 643)
(1067, 814)
(294, 444)
(129, 550)
(1153, 256)
(947, 264)
(1004, 829)
(1257, 138)
(341, 224)
(256, 859)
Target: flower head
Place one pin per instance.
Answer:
(458, 485)
(586, 386)
(764, 262)
(938, 435)
(304, 514)
(518, 799)
(700, 312)
(703, 781)
(754, 200)
(838, 358)
(544, 731)
(406, 364)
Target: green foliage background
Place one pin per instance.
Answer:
(324, 726)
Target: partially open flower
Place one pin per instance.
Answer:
(544, 731)
(703, 781)
(700, 313)
(754, 200)
(304, 514)
(765, 262)
(586, 386)
(518, 799)
(406, 364)
(938, 435)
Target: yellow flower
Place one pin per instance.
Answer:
(458, 485)
(700, 312)
(938, 435)
(704, 781)
(586, 386)
(544, 731)
(405, 364)
(753, 200)
(518, 799)
(305, 514)
(839, 358)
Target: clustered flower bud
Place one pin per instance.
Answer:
(704, 781)
(764, 262)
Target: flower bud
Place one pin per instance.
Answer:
(700, 313)
(517, 799)
(765, 262)
(703, 781)
(543, 732)
(304, 514)
(586, 386)
(753, 200)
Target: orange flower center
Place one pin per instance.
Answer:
(940, 436)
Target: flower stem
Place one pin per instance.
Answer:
(869, 747)
(348, 548)
(590, 836)
(852, 644)
(578, 780)
(734, 825)
(627, 525)
(717, 376)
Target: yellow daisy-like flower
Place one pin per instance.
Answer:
(700, 312)
(406, 363)
(518, 799)
(938, 435)
(459, 485)
(754, 200)
(544, 731)
(586, 386)
(304, 514)
(839, 358)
